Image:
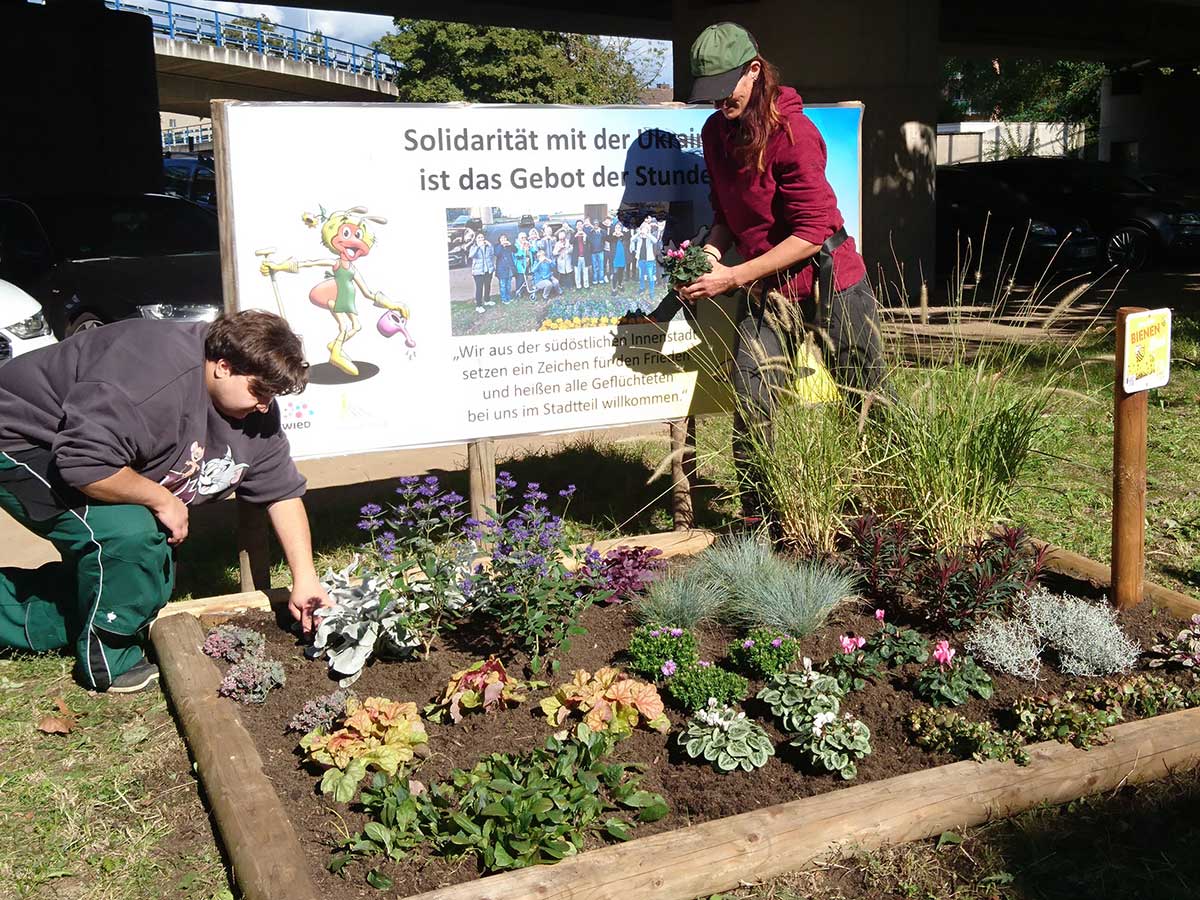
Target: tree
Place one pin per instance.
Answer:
(448, 61)
(1021, 90)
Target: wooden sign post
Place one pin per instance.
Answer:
(481, 469)
(1143, 362)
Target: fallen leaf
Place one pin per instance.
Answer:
(62, 707)
(56, 725)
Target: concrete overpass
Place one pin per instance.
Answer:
(202, 54)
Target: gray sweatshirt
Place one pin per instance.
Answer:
(133, 394)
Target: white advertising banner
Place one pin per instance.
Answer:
(458, 272)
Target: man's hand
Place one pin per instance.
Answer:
(173, 513)
(307, 597)
(721, 280)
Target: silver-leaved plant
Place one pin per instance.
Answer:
(724, 737)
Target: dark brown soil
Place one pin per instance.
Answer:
(695, 793)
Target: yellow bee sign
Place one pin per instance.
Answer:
(1147, 350)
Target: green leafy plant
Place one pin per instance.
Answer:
(513, 811)
(659, 651)
(951, 682)
(854, 666)
(885, 554)
(1063, 719)
(377, 734)
(685, 263)
(485, 686)
(721, 735)
(944, 731)
(609, 701)
(1183, 650)
(1143, 695)
(764, 652)
(895, 647)
(835, 744)
(691, 688)
(251, 679)
(797, 698)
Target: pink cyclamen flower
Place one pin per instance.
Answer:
(850, 644)
(879, 615)
(747, 644)
(668, 668)
(685, 245)
(943, 653)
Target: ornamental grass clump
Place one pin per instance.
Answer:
(230, 643)
(685, 599)
(659, 652)
(721, 735)
(763, 652)
(951, 682)
(1085, 637)
(763, 590)
(608, 701)
(377, 734)
(485, 686)
(251, 679)
(807, 472)
(692, 688)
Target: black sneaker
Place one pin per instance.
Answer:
(141, 677)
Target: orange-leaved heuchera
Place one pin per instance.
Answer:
(610, 700)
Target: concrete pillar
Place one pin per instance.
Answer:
(1147, 121)
(882, 52)
(80, 103)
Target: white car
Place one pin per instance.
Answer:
(22, 325)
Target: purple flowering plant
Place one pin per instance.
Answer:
(416, 544)
(658, 651)
(526, 588)
(764, 652)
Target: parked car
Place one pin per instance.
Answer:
(192, 179)
(1135, 223)
(985, 226)
(90, 260)
(25, 327)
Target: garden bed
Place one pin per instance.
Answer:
(694, 792)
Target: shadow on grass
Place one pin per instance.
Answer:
(1138, 843)
(613, 497)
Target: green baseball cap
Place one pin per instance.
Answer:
(717, 59)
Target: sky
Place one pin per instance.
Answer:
(358, 28)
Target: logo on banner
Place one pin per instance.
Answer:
(296, 415)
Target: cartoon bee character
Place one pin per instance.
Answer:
(347, 234)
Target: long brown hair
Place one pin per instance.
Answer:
(760, 118)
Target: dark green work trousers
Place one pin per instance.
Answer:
(117, 572)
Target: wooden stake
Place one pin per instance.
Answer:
(682, 512)
(481, 466)
(1129, 481)
(263, 850)
(254, 546)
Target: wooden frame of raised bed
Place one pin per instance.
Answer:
(268, 863)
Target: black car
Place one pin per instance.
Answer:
(986, 227)
(1135, 223)
(90, 260)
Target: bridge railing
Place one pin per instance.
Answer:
(183, 137)
(182, 22)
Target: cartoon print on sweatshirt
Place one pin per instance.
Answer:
(212, 477)
(348, 234)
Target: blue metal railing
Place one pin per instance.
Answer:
(198, 25)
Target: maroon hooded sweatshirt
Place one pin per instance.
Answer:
(789, 197)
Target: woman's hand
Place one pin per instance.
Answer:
(720, 280)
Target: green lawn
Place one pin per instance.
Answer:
(111, 810)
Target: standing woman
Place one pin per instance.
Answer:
(483, 263)
(770, 197)
(618, 239)
(562, 258)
